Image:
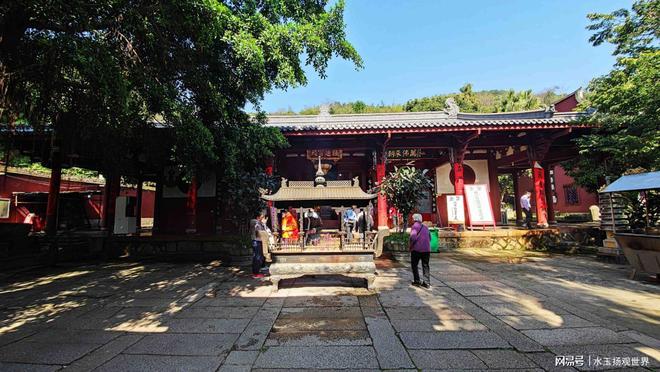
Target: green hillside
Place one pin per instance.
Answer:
(467, 99)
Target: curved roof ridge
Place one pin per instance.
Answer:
(421, 120)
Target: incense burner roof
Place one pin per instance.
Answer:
(306, 191)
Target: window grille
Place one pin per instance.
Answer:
(571, 195)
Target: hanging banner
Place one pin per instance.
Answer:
(539, 192)
(478, 202)
(455, 210)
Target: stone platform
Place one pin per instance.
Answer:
(479, 315)
(349, 264)
(499, 238)
(510, 239)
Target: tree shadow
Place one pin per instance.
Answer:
(466, 310)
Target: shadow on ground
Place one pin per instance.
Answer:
(478, 316)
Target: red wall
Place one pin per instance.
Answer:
(586, 199)
(172, 217)
(13, 182)
(567, 104)
(148, 199)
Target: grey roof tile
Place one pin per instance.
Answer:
(419, 120)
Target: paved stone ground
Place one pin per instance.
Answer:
(480, 315)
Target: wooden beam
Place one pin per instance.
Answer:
(512, 159)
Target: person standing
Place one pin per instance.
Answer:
(364, 223)
(526, 206)
(420, 249)
(290, 230)
(256, 226)
(312, 226)
(350, 219)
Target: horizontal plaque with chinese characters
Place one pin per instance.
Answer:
(403, 154)
(325, 154)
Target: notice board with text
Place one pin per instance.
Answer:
(480, 209)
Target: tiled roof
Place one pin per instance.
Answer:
(420, 120)
(305, 190)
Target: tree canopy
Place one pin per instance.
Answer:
(99, 73)
(626, 100)
(102, 69)
(404, 187)
(467, 99)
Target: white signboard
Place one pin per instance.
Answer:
(455, 210)
(478, 203)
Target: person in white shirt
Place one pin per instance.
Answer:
(526, 206)
(350, 219)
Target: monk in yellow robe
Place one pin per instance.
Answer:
(290, 226)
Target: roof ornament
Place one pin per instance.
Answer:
(451, 108)
(324, 112)
(284, 182)
(319, 181)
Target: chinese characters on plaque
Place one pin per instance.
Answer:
(325, 154)
(478, 202)
(455, 210)
(405, 154)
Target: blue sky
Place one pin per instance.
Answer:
(418, 48)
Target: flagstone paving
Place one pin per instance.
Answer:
(479, 315)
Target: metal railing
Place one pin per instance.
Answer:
(328, 242)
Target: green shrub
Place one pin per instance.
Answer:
(573, 217)
(398, 237)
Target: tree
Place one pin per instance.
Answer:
(518, 101)
(549, 96)
(479, 101)
(404, 187)
(626, 101)
(101, 69)
(505, 182)
(246, 201)
(467, 100)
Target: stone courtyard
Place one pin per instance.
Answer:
(481, 314)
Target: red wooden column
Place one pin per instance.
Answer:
(110, 194)
(549, 194)
(53, 194)
(459, 178)
(495, 192)
(382, 201)
(191, 207)
(539, 194)
(456, 157)
(537, 153)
